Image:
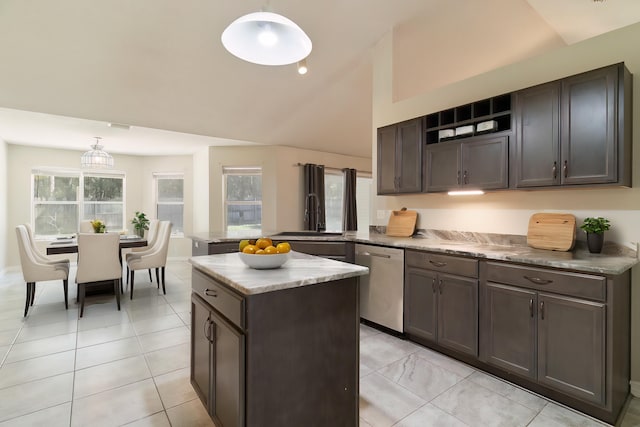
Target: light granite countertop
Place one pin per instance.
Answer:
(299, 270)
(615, 259)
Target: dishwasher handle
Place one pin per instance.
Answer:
(375, 254)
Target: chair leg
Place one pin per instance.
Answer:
(33, 292)
(164, 290)
(117, 284)
(127, 274)
(81, 289)
(132, 280)
(150, 278)
(26, 304)
(65, 283)
(157, 276)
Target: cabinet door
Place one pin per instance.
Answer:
(201, 351)
(537, 156)
(227, 403)
(458, 313)
(571, 346)
(589, 127)
(409, 155)
(442, 166)
(485, 163)
(508, 329)
(387, 160)
(420, 303)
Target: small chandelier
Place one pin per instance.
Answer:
(266, 38)
(96, 158)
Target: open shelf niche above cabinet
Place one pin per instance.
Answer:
(497, 108)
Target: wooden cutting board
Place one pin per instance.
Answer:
(402, 223)
(554, 231)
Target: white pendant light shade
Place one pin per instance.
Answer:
(96, 158)
(266, 38)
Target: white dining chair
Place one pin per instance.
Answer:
(98, 260)
(39, 256)
(152, 236)
(155, 257)
(85, 226)
(34, 270)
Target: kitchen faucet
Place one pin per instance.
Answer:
(318, 224)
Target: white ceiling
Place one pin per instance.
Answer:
(71, 66)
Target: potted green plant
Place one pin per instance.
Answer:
(140, 223)
(595, 228)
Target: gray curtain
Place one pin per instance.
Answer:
(314, 217)
(349, 213)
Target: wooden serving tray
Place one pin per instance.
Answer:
(553, 231)
(402, 223)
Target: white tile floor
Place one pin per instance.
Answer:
(131, 367)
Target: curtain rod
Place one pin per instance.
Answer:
(334, 169)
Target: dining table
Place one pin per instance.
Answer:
(70, 246)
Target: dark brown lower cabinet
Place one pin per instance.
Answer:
(283, 358)
(441, 307)
(571, 346)
(217, 364)
(565, 334)
(566, 352)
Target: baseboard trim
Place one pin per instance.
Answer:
(635, 388)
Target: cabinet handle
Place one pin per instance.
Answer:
(554, 170)
(437, 263)
(207, 329)
(531, 307)
(433, 285)
(538, 281)
(458, 179)
(565, 169)
(440, 286)
(542, 309)
(466, 178)
(210, 293)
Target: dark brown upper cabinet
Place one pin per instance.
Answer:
(575, 131)
(400, 157)
(477, 163)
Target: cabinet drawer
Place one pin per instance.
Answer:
(221, 299)
(574, 284)
(444, 263)
(327, 249)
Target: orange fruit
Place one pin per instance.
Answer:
(250, 249)
(260, 252)
(264, 242)
(283, 247)
(270, 250)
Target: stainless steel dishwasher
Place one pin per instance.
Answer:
(382, 291)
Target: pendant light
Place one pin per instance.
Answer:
(266, 38)
(96, 158)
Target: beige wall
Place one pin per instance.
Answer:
(139, 188)
(4, 231)
(201, 190)
(282, 193)
(509, 211)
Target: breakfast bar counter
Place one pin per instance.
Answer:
(276, 347)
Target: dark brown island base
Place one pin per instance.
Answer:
(276, 347)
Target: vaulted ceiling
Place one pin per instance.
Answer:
(69, 67)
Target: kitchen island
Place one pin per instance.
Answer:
(276, 347)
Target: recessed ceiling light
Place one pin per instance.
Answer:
(119, 126)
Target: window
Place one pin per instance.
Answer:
(170, 200)
(243, 198)
(61, 199)
(103, 199)
(333, 200)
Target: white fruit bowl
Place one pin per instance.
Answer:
(264, 262)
